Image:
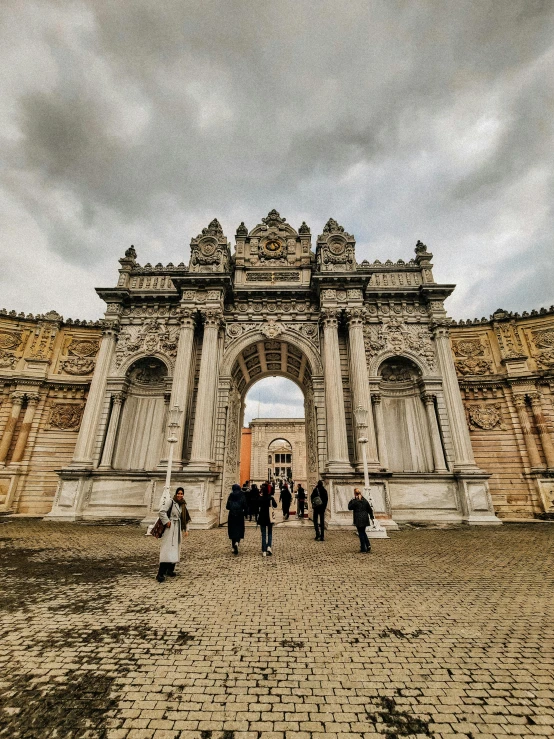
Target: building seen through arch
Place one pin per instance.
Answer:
(459, 416)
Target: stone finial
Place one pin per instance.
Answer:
(242, 230)
(131, 253)
(332, 227)
(213, 229)
(273, 218)
(420, 247)
(304, 228)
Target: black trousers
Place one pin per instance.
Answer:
(319, 522)
(365, 546)
(165, 568)
(300, 506)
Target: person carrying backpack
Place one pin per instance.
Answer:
(237, 507)
(319, 499)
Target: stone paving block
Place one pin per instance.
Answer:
(448, 644)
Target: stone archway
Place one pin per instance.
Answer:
(248, 362)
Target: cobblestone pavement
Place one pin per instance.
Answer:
(438, 632)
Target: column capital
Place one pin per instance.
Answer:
(329, 317)
(375, 398)
(519, 400)
(440, 328)
(33, 398)
(355, 316)
(109, 328)
(17, 397)
(118, 398)
(428, 398)
(535, 397)
(187, 317)
(212, 317)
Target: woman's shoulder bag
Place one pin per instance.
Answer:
(158, 529)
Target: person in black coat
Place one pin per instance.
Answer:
(285, 499)
(236, 505)
(319, 493)
(300, 500)
(362, 511)
(267, 501)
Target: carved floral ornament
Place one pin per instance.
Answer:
(80, 361)
(153, 336)
(271, 329)
(485, 416)
(396, 336)
(9, 340)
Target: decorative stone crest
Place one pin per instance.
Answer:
(78, 366)
(66, 416)
(7, 360)
(472, 352)
(272, 329)
(335, 249)
(485, 416)
(273, 219)
(209, 251)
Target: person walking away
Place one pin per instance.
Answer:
(237, 507)
(362, 511)
(246, 493)
(267, 501)
(175, 519)
(319, 499)
(253, 502)
(285, 499)
(301, 500)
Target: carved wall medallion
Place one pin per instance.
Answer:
(153, 336)
(78, 366)
(66, 416)
(83, 348)
(468, 348)
(10, 340)
(544, 341)
(485, 416)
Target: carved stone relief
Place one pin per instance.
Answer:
(473, 361)
(485, 416)
(153, 336)
(79, 361)
(544, 341)
(65, 416)
(397, 336)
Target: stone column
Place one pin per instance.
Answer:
(380, 427)
(463, 452)
(544, 433)
(528, 438)
(202, 454)
(337, 443)
(181, 380)
(360, 385)
(17, 402)
(32, 401)
(82, 456)
(111, 436)
(434, 433)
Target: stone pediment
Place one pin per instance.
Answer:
(273, 244)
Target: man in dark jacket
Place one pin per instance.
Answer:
(285, 498)
(319, 499)
(362, 511)
(237, 507)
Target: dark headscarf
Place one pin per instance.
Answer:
(185, 515)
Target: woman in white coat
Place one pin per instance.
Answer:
(175, 519)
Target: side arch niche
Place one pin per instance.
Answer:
(140, 434)
(406, 426)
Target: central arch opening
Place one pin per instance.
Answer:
(272, 400)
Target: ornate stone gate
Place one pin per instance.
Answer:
(370, 335)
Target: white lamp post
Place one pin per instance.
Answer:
(360, 414)
(175, 414)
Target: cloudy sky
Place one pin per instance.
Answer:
(274, 397)
(138, 122)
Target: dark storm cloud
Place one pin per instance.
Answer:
(135, 123)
